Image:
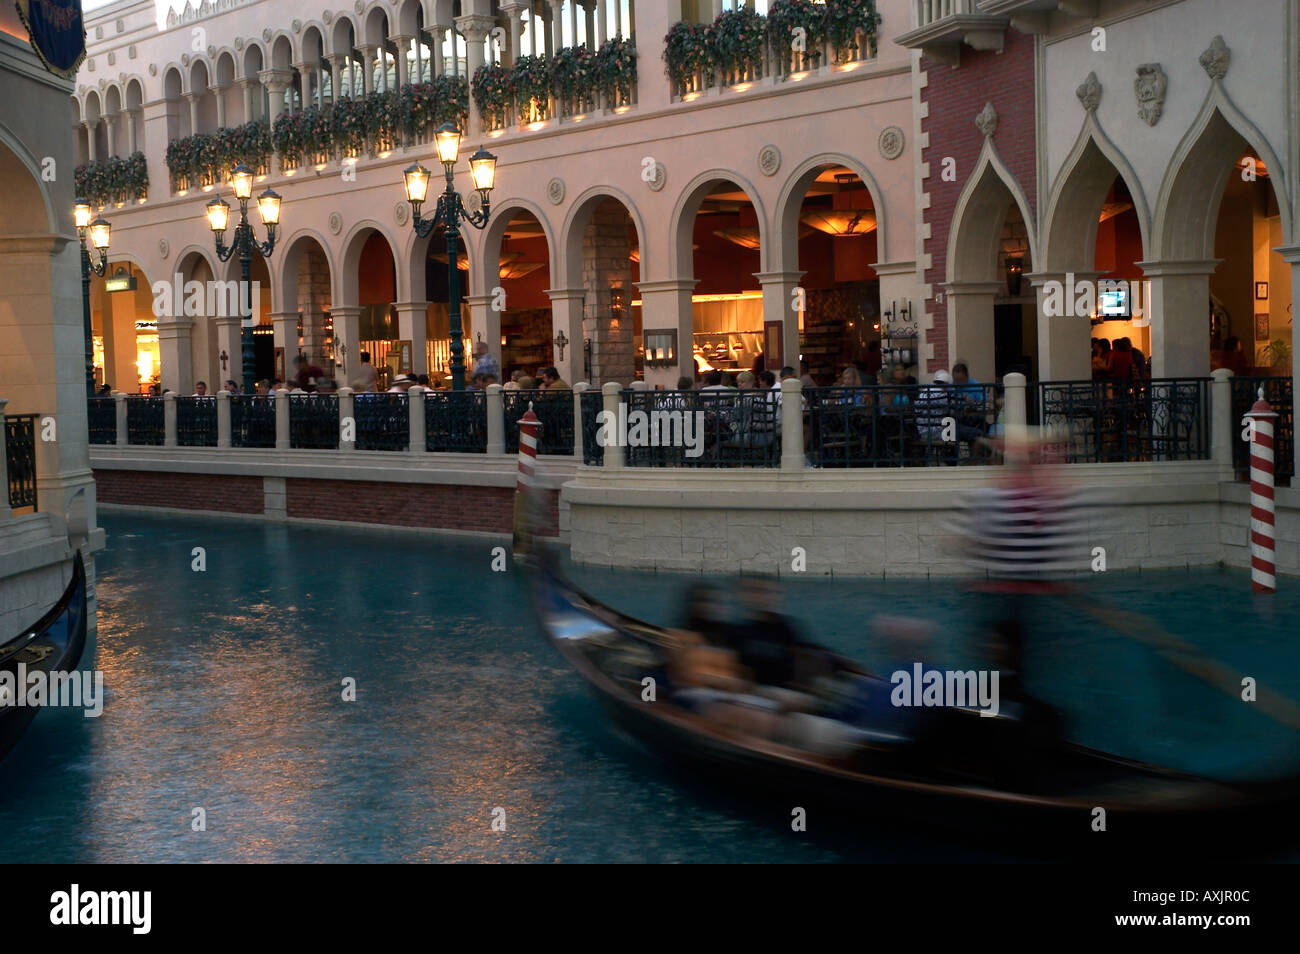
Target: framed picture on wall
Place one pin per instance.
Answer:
(1261, 291)
(772, 345)
(1261, 327)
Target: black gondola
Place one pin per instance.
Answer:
(971, 783)
(52, 644)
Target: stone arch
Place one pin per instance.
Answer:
(407, 12)
(378, 24)
(339, 41)
(681, 232)
(112, 99)
(285, 292)
(224, 73)
(485, 276)
(173, 85)
(972, 243)
(347, 285)
(574, 231)
(92, 110)
(283, 53)
(188, 257)
(254, 60)
(784, 237)
(312, 42)
(26, 203)
(134, 93)
(411, 261)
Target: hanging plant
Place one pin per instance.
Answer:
(738, 37)
(688, 49)
(573, 74)
(616, 72)
(180, 164)
(451, 101)
(784, 18)
(845, 19)
(530, 83)
(491, 87)
(287, 137)
(135, 177)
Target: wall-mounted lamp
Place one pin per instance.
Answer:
(660, 348)
(1015, 268)
(617, 300)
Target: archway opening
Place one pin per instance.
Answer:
(124, 329)
(524, 275)
(727, 303)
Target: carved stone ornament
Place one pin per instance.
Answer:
(328, 17)
(1150, 85)
(358, 6)
(90, 65)
(335, 223)
(769, 160)
(987, 121)
(890, 142)
(400, 212)
(297, 26)
(266, 34)
(212, 52)
(163, 248)
(555, 190)
(659, 179)
(185, 59)
(153, 69)
(1089, 93)
(239, 43)
(474, 203)
(130, 52)
(112, 58)
(1215, 60)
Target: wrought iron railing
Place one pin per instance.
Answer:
(1133, 420)
(591, 402)
(723, 428)
(101, 420)
(196, 422)
(455, 421)
(20, 459)
(1279, 393)
(553, 408)
(145, 420)
(383, 421)
(314, 421)
(252, 420)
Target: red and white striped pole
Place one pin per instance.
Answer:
(529, 425)
(1263, 569)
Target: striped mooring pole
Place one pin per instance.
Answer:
(1263, 569)
(529, 425)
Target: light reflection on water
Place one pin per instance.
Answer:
(224, 692)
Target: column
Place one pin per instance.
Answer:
(367, 68)
(514, 11)
(91, 155)
(119, 406)
(276, 82)
(437, 35)
(573, 24)
(285, 324)
(304, 83)
(1015, 406)
(1064, 341)
(970, 326)
(1178, 309)
(667, 305)
(589, 23)
(176, 353)
(496, 420)
(403, 44)
(412, 324)
(5, 511)
(246, 85)
(229, 341)
(223, 418)
(1223, 429)
(475, 30)
(579, 389)
(110, 121)
(482, 321)
(131, 143)
(566, 316)
(602, 23)
(1291, 255)
(612, 395)
(792, 453)
(220, 93)
(347, 336)
(778, 299)
(549, 24)
(419, 440)
(193, 100)
(282, 440)
(347, 412)
(336, 77)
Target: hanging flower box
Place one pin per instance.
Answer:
(491, 86)
(616, 73)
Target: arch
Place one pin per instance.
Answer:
(312, 42)
(283, 53)
(1187, 208)
(341, 44)
(25, 198)
(92, 110)
(225, 69)
(134, 93)
(200, 83)
(575, 227)
(187, 258)
(347, 285)
(112, 100)
(254, 60)
(681, 232)
(407, 15)
(789, 204)
(486, 276)
(378, 25)
(285, 290)
(416, 253)
(973, 241)
(172, 85)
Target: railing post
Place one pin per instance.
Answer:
(579, 389)
(792, 454)
(1223, 430)
(415, 417)
(169, 419)
(639, 386)
(612, 392)
(120, 407)
(347, 419)
(224, 427)
(1013, 398)
(281, 419)
(5, 511)
(496, 420)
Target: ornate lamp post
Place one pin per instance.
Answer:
(245, 241)
(100, 233)
(450, 212)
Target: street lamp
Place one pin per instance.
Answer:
(451, 211)
(100, 232)
(245, 241)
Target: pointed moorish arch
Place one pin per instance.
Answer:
(976, 234)
(681, 237)
(784, 246)
(1070, 231)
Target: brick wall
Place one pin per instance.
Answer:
(139, 488)
(955, 97)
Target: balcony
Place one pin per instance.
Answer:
(942, 26)
(1031, 16)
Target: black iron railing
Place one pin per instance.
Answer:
(723, 428)
(1279, 394)
(456, 421)
(196, 421)
(252, 420)
(20, 459)
(1137, 420)
(314, 421)
(383, 421)
(899, 426)
(101, 420)
(145, 421)
(591, 402)
(553, 408)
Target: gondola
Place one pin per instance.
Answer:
(52, 644)
(971, 783)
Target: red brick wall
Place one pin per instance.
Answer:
(955, 97)
(180, 491)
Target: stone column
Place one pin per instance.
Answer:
(475, 29)
(91, 155)
(412, 324)
(1179, 313)
(176, 353)
(347, 419)
(514, 11)
(276, 82)
(282, 441)
(667, 305)
(403, 44)
(778, 299)
(304, 83)
(193, 100)
(437, 36)
(285, 324)
(110, 121)
(579, 389)
(589, 18)
(336, 76)
(482, 321)
(970, 326)
(220, 93)
(612, 392)
(602, 24)
(120, 407)
(1064, 341)
(550, 26)
(367, 68)
(223, 419)
(1014, 404)
(131, 143)
(347, 335)
(1223, 429)
(567, 317)
(419, 443)
(792, 454)
(229, 341)
(496, 422)
(246, 85)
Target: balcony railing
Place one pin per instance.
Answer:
(20, 459)
(1139, 420)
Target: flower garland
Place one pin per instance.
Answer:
(845, 19)
(738, 37)
(348, 126)
(573, 72)
(786, 16)
(530, 83)
(288, 139)
(616, 72)
(688, 49)
(491, 86)
(113, 180)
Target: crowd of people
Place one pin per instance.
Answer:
(1119, 361)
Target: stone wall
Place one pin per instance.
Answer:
(606, 263)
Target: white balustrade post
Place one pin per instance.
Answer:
(579, 389)
(1014, 415)
(1223, 429)
(496, 420)
(612, 392)
(120, 407)
(792, 454)
(223, 419)
(282, 419)
(415, 415)
(169, 419)
(347, 420)
(5, 511)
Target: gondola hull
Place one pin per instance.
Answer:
(52, 644)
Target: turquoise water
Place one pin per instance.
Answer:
(224, 693)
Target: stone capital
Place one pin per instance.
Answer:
(778, 278)
(566, 294)
(894, 268)
(276, 79)
(669, 285)
(1166, 269)
(475, 27)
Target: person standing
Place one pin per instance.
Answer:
(367, 377)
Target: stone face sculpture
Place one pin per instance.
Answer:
(1089, 93)
(987, 120)
(1150, 86)
(1215, 60)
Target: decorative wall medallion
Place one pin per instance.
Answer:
(120, 25)
(1150, 86)
(474, 203)
(112, 59)
(769, 160)
(660, 177)
(987, 121)
(130, 52)
(1089, 93)
(185, 59)
(400, 212)
(90, 65)
(163, 248)
(297, 26)
(239, 43)
(99, 33)
(327, 16)
(266, 34)
(555, 190)
(1215, 60)
(335, 223)
(358, 6)
(891, 142)
(153, 69)
(212, 52)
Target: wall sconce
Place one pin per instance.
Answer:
(660, 348)
(617, 300)
(1015, 268)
